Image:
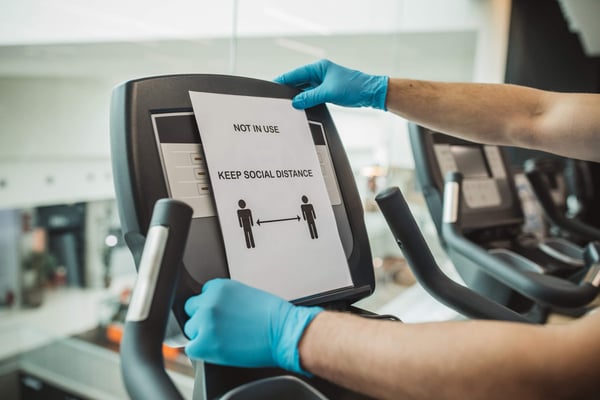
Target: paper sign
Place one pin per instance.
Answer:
(276, 218)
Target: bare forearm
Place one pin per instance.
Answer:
(470, 359)
(502, 114)
(479, 112)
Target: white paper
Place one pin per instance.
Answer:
(276, 218)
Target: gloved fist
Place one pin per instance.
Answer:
(237, 325)
(328, 82)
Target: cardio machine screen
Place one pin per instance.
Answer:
(185, 169)
(186, 174)
(470, 161)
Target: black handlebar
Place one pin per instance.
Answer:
(546, 289)
(554, 214)
(415, 249)
(142, 363)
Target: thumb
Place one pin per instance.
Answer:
(309, 98)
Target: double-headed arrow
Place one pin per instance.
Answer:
(297, 218)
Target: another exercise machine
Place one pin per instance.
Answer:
(473, 201)
(548, 178)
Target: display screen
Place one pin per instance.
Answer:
(176, 128)
(185, 169)
(183, 162)
(470, 161)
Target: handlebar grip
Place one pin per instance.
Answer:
(142, 363)
(542, 288)
(536, 179)
(415, 249)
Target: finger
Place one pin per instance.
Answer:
(310, 74)
(195, 349)
(205, 348)
(192, 304)
(309, 98)
(190, 328)
(214, 284)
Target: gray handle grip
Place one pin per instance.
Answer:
(142, 363)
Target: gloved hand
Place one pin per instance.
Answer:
(328, 82)
(237, 325)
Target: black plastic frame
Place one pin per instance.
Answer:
(137, 168)
(432, 185)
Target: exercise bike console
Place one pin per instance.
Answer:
(157, 153)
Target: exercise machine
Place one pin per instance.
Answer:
(171, 227)
(153, 137)
(548, 178)
(473, 201)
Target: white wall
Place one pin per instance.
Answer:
(492, 41)
(54, 141)
(74, 21)
(54, 100)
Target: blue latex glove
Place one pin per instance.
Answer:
(327, 82)
(237, 325)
